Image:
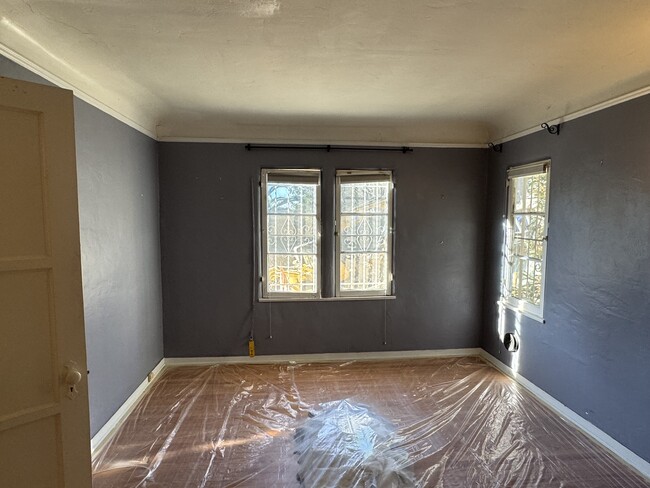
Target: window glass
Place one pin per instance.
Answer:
(526, 238)
(291, 230)
(364, 233)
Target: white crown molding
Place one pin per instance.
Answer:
(576, 115)
(89, 98)
(616, 448)
(19, 59)
(451, 145)
(104, 434)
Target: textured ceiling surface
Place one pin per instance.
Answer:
(413, 71)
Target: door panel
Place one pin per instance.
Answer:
(31, 455)
(26, 350)
(21, 219)
(44, 428)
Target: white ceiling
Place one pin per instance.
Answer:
(366, 71)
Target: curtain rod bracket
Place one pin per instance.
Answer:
(552, 129)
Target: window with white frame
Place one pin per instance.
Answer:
(290, 233)
(526, 238)
(364, 220)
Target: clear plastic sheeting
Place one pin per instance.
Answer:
(432, 422)
(346, 444)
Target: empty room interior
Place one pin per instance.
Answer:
(281, 243)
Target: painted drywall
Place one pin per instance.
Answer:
(592, 354)
(120, 250)
(117, 176)
(207, 249)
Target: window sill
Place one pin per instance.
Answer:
(328, 299)
(526, 313)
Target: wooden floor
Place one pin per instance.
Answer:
(463, 424)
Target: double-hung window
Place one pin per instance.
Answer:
(291, 233)
(526, 238)
(364, 222)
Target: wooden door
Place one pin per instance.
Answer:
(44, 428)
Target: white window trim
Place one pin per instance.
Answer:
(265, 294)
(510, 302)
(340, 294)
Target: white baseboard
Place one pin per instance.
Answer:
(106, 432)
(612, 445)
(327, 357)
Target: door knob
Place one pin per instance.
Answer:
(72, 377)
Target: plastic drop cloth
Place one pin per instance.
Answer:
(435, 422)
(346, 444)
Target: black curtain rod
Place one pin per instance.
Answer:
(328, 148)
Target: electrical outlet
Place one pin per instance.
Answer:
(150, 377)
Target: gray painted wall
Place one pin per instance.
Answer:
(206, 234)
(120, 252)
(593, 352)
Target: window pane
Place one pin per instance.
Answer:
(288, 273)
(530, 193)
(364, 235)
(525, 245)
(363, 272)
(292, 244)
(529, 226)
(527, 280)
(291, 198)
(528, 248)
(291, 236)
(365, 198)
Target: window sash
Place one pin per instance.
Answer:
(299, 177)
(529, 169)
(511, 256)
(364, 176)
